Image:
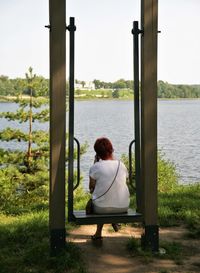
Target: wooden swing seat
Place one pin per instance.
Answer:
(81, 218)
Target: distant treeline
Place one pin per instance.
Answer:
(167, 90)
(18, 86)
(14, 87)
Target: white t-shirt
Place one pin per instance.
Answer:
(104, 172)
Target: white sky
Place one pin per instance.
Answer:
(103, 38)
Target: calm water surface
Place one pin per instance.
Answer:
(178, 131)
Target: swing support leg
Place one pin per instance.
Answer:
(57, 124)
(149, 14)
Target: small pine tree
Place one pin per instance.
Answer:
(24, 174)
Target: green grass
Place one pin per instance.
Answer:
(24, 238)
(177, 204)
(24, 244)
(103, 94)
(181, 206)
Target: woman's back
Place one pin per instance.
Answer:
(104, 173)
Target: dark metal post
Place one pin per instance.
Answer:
(57, 124)
(136, 33)
(71, 29)
(78, 163)
(130, 161)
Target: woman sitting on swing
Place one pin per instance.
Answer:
(107, 184)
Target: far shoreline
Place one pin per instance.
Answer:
(25, 97)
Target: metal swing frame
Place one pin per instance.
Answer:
(80, 217)
(147, 203)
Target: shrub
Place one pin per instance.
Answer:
(167, 174)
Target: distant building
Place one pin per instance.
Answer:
(85, 86)
(78, 86)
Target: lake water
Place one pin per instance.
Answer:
(178, 131)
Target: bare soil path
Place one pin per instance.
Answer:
(112, 255)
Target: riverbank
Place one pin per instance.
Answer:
(18, 98)
(85, 97)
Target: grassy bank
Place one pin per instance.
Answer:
(177, 204)
(43, 100)
(24, 244)
(24, 238)
(180, 207)
(96, 95)
(104, 94)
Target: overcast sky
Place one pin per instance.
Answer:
(103, 38)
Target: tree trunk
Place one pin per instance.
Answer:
(30, 128)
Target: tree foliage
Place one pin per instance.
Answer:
(119, 84)
(167, 90)
(115, 94)
(167, 174)
(25, 173)
(19, 87)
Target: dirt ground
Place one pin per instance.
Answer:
(112, 255)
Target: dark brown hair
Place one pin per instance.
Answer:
(103, 147)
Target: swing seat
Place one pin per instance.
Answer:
(81, 218)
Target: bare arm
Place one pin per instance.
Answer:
(92, 184)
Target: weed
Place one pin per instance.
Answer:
(174, 251)
(197, 264)
(133, 245)
(134, 248)
(163, 271)
(194, 230)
